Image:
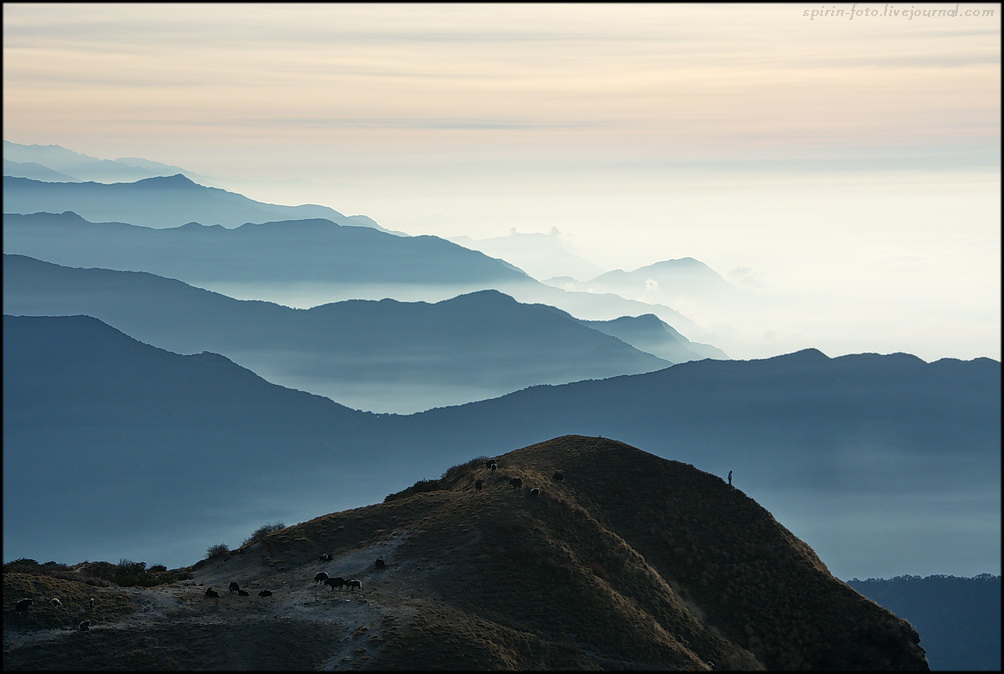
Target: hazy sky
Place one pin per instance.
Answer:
(852, 159)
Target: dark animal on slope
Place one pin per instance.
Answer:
(92, 602)
(55, 602)
(491, 464)
(243, 593)
(326, 557)
(477, 485)
(320, 577)
(84, 625)
(234, 587)
(380, 565)
(264, 593)
(22, 605)
(211, 593)
(559, 476)
(516, 482)
(354, 584)
(335, 582)
(534, 492)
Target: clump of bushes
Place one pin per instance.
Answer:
(101, 574)
(263, 531)
(218, 550)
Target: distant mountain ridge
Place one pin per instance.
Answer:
(649, 333)
(158, 202)
(78, 167)
(314, 250)
(322, 262)
(824, 443)
(959, 619)
(668, 281)
(359, 353)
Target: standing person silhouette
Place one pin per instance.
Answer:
(730, 478)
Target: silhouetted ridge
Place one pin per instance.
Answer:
(177, 181)
(643, 562)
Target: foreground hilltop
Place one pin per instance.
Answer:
(628, 562)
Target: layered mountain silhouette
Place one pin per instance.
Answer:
(34, 171)
(631, 562)
(209, 447)
(385, 356)
(321, 262)
(312, 251)
(63, 165)
(163, 201)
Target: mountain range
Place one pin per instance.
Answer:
(321, 262)
(849, 451)
(163, 201)
(631, 562)
(385, 356)
(53, 163)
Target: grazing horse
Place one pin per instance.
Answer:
(534, 492)
(55, 602)
(516, 482)
(335, 582)
(84, 625)
(234, 587)
(326, 557)
(380, 565)
(265, 593)
(211, 593)
(477, 485)
(243, 593)
(320, 577)
(353, 583)
(22, 605)
(559, 476)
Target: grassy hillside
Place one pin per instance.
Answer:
(629, 562)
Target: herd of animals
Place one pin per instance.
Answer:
(23, 605)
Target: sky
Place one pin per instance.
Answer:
(843, 159)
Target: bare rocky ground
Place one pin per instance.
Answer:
(301, 626)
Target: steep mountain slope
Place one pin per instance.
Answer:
(630, 562)
(472, 347)
(162, 201)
